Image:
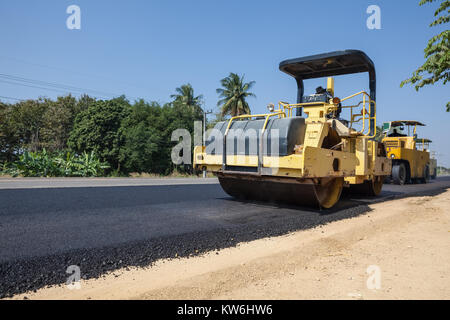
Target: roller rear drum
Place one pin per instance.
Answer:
(324, 194)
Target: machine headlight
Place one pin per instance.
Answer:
(392, 156)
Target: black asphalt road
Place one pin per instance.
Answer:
(101, 225)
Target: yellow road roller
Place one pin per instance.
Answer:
(303, 153)
(423, 144)
(433, 165)
(410, 155)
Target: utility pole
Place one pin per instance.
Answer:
(204, 133)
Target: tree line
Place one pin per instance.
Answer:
(84, 136)
(436, 68)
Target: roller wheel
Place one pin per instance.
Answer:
(324, 194)
(369, 188)
(434, 174)
(376, 185)
(329, 193)
(399, 174)
(426, 175)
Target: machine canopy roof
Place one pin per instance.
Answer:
(406, 123)
(328, 64)
(420, 140)
(332, 64)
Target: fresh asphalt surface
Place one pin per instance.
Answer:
(101, 225)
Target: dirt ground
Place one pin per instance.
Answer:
(399, 250)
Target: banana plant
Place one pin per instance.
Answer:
(43, 164)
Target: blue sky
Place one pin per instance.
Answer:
(146, 49)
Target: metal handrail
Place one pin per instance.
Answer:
(293, 106)
(363, 115)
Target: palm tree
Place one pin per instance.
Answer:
(232, 95)
(185, 95)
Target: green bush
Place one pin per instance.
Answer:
(43, 164)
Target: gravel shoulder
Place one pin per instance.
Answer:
(406, 239)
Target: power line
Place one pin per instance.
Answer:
(88, 75)
(26, 82)
(37, 87)
(10, 98)
(52, 84)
